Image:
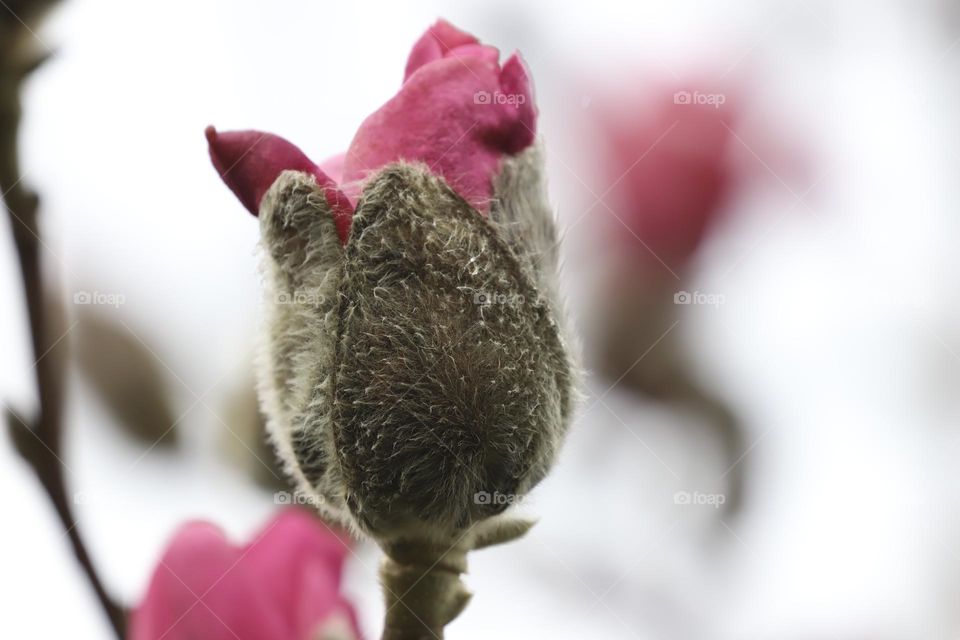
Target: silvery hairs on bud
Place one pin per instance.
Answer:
(392, 395)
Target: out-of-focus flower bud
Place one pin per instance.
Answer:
(283, 585)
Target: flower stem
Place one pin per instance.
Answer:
(423, 589)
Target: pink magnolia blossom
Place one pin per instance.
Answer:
(458, 111)
(666, 163)
(283, 585)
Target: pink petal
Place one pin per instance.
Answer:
(293, 543)
(191, 592)
(333, 167)
(668, 167)
(250, 161)
(438, 40)
(514, 81)
(319, 602)
(457, 115)
(283, 585)
(482, 51)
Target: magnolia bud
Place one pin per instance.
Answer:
(421, 364)
(415, 362)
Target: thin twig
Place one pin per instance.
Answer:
(39, 438)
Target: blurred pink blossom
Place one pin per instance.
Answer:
(283, 585)
(673, 158)
(665, 160)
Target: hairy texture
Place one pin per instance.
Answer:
(416, 369)
(417, 373)
(522, 214)
(451, 377)
(421, 366)
(302, 261)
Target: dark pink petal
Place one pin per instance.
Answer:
(514, 81)
(482, 51)
(457, 112)
(192, 588)
(320, 605)
(307, 545)
(283, 585)
(459, 116)
(436, 43)
(667, 168)
(682, 187)
(250, 161)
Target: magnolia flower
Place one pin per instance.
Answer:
(414, 363)
(667, 169)
(667, 164)
(284, 585)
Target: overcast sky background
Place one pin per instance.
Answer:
(838, 340)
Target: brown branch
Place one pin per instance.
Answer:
(38, 439)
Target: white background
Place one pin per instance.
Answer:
(838, 340)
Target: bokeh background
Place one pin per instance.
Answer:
(835, 342)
